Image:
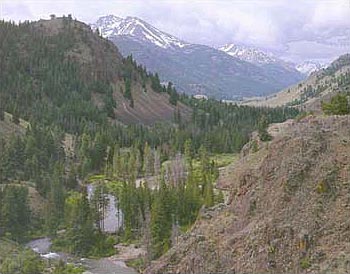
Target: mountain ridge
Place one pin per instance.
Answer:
(193, 68)
(319, 86)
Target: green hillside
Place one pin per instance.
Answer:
(92, 112)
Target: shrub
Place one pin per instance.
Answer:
(305, 263)
(339, 105)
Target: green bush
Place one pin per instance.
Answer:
(339, 105)
(23, 263)
(305, 263)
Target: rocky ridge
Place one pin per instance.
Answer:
(288, 209)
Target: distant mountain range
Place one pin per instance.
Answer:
(250, 54)
(261, 57)
(308, 67)
(229, 72)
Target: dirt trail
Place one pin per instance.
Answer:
(106, 266)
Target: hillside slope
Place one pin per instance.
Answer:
(320, 86)
(8, 129)
(288, 207)
(62, 66)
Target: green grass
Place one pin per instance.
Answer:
(16, 259)
(96, 177)
(114, 187)
(7, 247)
(221, 160)
(305, 263)
(138, 264)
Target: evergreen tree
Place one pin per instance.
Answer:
(262, 129)
(100, 203)
(81, 233)
(15, 211)
(161, 222)
(339, 105)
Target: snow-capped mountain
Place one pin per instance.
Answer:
(249, 54)
(111, 26)
(309, 67)
(195, 68)
(260, 57)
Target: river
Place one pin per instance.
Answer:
(114, 217)
(93, 266)
(112, 222)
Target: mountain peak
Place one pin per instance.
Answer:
(310, 66)
(111, 26)
(249, 54)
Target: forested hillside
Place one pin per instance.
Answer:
(79, 109)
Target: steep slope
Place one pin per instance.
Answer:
(320, 86)
(288, 207)
(194, 69)
(64, 67)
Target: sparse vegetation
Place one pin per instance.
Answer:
(305, 263)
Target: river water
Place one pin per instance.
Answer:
(112, 222)
(114, 217)
(101, 266)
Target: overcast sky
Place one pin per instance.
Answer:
(271, 24)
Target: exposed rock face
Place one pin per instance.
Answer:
(289, 210)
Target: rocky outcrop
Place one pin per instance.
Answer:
(288, 212)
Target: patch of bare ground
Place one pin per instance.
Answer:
(149, 107)
(8, 128)
(128, 252)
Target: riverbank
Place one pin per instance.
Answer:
(110, 265)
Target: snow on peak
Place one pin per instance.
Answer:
(111, 26)
(107, 24)
(248, 54)
(308, 67)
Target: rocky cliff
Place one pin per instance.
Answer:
(288, 209)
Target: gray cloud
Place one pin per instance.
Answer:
(271, 24)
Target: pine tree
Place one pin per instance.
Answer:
(81, 232)
(339, 105)
(100, 202)
(15, 212)
(208, 194)
(148, 161)
(161, 221)
(262, 129)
